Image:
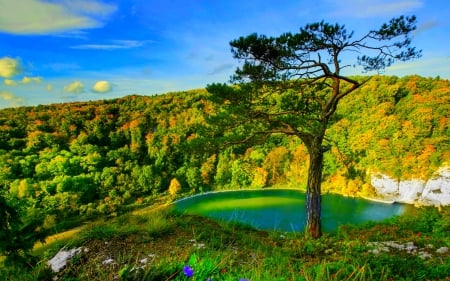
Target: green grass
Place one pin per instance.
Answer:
(157, 244)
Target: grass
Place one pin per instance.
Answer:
(56, 239)
(157, 244)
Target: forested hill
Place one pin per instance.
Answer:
(90, 158)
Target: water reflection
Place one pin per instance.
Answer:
(281, 209)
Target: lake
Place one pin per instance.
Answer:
(284, 209)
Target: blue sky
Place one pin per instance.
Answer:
(55, 51)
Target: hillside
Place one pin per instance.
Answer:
(85, 159)
(66, 163)
(95, 157)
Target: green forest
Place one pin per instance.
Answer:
(73, 164)
(83, 159)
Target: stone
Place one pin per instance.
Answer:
(435, 191)
(199, 245)
(442, 250)
(409, 191)
(410, 247)
(59, 261)
(375, 251)
(329, 251)
(384, 185)
(424, 255)
(108, 261)
(394, 245)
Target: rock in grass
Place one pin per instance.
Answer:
(442, 250)
(59, 261)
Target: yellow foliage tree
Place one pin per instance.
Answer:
(174, 187)
(260, 177)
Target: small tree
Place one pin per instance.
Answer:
(292, 85)
(174, 187)
(19, 229)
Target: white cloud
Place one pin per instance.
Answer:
(374, 8)
(9, 67)
(28, 80)
(102, 87)
(427, 67)
(47, 17)
(74, 87)
(9, 82)
(425, 26)
(25, 80)
(49, 87)
(114, 45)
(10, 98)
(92, 7)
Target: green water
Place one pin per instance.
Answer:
(284, 210)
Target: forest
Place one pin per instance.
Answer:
(79, 160)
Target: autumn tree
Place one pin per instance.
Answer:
(292, 84)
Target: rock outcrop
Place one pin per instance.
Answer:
(435, 191)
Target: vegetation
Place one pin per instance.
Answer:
(162, 245)
(96, 162)
(65, 163)
(292, 85)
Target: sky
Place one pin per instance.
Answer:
(54, 51)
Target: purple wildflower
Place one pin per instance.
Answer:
(244, 279)
(188, 271)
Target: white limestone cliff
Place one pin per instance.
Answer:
(435, 191)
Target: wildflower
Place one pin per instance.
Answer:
(244, 279)
(188, 271)
(223, 271)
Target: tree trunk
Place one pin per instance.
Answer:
(313, 190)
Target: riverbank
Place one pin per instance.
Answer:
(379, 200)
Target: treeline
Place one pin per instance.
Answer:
(90, 158)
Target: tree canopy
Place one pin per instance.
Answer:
(292, 84)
